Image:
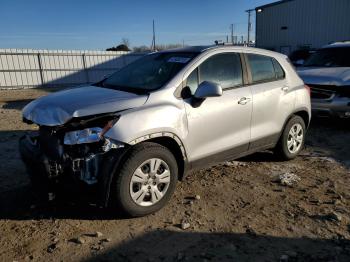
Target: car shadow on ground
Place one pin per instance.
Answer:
(18, 104)
(164, 245)
(23, 204)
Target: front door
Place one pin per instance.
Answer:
(219, 128)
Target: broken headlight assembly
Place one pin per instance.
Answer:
(86, 147)
(85, 136)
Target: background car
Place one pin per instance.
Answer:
(327, 72)
(298, 57)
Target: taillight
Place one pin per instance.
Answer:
(308, 89)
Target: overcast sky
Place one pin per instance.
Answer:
(87, 24)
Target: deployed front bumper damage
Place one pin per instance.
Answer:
(51, 164)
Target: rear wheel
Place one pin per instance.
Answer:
(292, 139)
(146, 180)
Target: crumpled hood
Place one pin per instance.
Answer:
(58, 108)
(338, 76)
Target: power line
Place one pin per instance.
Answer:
(154, 38)
(249, 24)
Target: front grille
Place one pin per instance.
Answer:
(50, 143)
(328, 91)
(321, 94)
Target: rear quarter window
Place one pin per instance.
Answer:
(278, 69)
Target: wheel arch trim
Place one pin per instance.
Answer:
(296, 113)
(161, 134)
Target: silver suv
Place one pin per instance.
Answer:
(137, 132)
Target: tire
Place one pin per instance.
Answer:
(286, 149)
(127, 188)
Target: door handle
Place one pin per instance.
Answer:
(285, 88)
(244, 100)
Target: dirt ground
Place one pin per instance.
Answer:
(243, 213)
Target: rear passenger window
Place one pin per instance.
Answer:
(261, 68)
(224, 69)
(264, 68)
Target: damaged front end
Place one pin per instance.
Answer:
(76, 152)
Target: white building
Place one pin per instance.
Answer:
(288, 25)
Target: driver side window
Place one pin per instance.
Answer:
(223, 69)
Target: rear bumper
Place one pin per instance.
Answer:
(337, 107)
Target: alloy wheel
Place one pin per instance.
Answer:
(295, 138)
(150, 182)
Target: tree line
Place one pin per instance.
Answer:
(125, 46)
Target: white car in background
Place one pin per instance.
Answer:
(327, 72)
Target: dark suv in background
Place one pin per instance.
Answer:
(298, 57)
(327, 73)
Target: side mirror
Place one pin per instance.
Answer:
(208, 89)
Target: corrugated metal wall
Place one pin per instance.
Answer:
(309, 22)
(26, 68)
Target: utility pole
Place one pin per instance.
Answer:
(232, 33)
(249, 24)
(183, 42)
(154, 38)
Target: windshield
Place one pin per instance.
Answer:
(148, 73)
(330, 57)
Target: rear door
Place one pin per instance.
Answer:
(273, 99)
(219, 128)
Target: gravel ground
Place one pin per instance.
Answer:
(236, 211)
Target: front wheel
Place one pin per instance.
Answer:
(292, 139)
(146, 180)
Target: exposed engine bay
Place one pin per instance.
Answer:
(76, 149)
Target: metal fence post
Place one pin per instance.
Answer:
(40, 70)
(85, 69)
